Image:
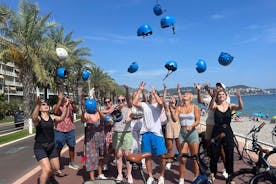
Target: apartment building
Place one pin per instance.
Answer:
(10, 83)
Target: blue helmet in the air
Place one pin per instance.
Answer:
(133, 67)
(144, 30)
(85, 75)
(171, 66)
(157, 10)
(62, 72)
(225, 59)
(201, 66)
(168, 21)
(90, 105)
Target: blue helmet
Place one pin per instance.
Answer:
(225, 59)
(171, 65)
(117, 115)
(201, 66)
(168, 21)
(157, 10)
(90, 105)
(133, 67)
(62, 73)
(144, 30)
(85, 75)
(107, 118)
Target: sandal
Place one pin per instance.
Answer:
(59, 173)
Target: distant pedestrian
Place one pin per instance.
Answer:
(65, 130)
(44, 147)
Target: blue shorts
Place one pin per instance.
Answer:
(65, 137)
(153, 144)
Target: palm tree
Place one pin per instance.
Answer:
(22, 42)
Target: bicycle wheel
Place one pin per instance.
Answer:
(271, 158)
(267, 177)
(241, 176)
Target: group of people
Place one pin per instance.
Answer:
(148, 123)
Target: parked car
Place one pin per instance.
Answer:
(19, 118)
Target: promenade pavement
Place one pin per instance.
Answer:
(80, 175)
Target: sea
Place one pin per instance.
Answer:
(258, 104)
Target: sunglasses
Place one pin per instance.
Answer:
(44, 104)
(106, 102)
(121, 100)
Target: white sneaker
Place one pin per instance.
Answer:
(161, 180)
(144, 163)
(181, 181)
(224, 174)
(102, 177)
(168, 166)
(150, 180)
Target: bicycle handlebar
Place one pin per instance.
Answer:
(257, 129)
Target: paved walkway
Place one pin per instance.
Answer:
(79, 176)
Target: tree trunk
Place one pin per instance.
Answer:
(28, 95)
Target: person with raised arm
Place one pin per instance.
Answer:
(222, 118)
(173, 127)
(188, 114)
(44, 147)
(65, 130)
(151, 131)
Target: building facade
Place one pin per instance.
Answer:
(10, 83)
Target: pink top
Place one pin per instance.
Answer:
(67, 124)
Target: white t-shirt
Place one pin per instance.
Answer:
(152, 122)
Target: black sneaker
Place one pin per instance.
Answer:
(52, 180)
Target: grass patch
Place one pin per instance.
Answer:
(7, 119)
(14, 136)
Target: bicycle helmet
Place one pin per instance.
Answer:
(157, 10)
(225, 59)
(62, 73)
(144, 30)
(117, 115)
(107, 119)
(85, 75)
(168, 21)
(171, 66)
(62, 54)
(90, 105)
(133, 67)
(201, 66)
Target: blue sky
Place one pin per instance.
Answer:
(204, 28)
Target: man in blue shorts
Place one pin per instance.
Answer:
(151, 131)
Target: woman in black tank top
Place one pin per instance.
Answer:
(44, 147)
(222, 117)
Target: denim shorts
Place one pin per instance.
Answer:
(45, 150)
(188, 136)
(153, 144)
(65, 137)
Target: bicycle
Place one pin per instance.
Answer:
(268, 177)
(205, 146)
(244, 175)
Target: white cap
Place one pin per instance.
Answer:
(221, 84)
